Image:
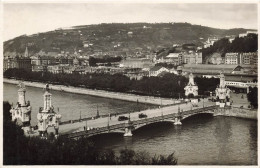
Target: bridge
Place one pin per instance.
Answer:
(133, 124)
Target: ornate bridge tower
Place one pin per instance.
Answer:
(47, 117)
(191, 88)
(22, 110)
(222, 92)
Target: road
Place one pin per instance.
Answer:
(102, 122)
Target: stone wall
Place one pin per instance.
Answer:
(237, 112)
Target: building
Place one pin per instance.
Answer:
(232, 58)
(192, 58)
(172, 58)
(136, 63)
(180, 59)
(155, 71)
(248, 32)
(238, 70)
(174, 71)
(210, 42)
(18, 62)
(39, 68)
(213, 70)
(250, 58)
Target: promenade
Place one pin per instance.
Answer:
(99, 93)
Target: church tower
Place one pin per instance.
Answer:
(26, 53)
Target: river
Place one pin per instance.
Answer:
(201, 140)
(70, 105)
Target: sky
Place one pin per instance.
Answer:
(31, 18)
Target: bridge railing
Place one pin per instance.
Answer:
(136, 122)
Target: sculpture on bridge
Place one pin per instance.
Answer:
(22, 110)
(222, 92)
(47, 117)
(191, 89)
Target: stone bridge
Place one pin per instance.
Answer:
(130, 126)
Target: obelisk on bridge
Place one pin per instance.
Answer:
(22, 111)
(47, 117)
(222, 92)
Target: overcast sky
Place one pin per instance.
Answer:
(33, 18)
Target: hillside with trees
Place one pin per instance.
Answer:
(115, 37)
(223, 46)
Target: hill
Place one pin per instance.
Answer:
(116, 37)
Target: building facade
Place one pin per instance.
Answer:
(232, 58)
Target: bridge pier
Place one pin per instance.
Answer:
(128, 129)
(128, 132)
(177, 121)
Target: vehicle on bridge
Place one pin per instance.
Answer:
(122, 118)
(142, 115)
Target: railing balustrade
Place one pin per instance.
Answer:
(136, 122)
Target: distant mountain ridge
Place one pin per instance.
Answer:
(116, 37)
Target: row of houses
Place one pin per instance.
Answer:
(250, 58)
(39, 63)
(181, 58)
(208, 70)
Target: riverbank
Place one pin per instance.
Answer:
(238, 112)
(99, 93)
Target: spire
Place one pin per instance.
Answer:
(26, 53)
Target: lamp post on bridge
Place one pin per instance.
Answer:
(86, 125)
(129, 117)
(108, 117)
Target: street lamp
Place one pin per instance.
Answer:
(79, 115)
(129, 117)
(86, 125)
(108, 119)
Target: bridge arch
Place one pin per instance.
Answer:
(190, 96)
(136, 127)
(211, 113)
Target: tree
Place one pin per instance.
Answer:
(252, 96)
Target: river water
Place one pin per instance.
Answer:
(201, 140)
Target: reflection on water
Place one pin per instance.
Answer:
(201, 140)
